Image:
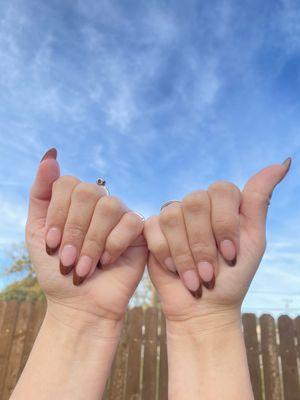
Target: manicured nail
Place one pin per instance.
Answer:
(228, 251)
(287, 163)
(197, 293)
(52, 153)
(211, 283)
(67, 258)
(53, 239)
(169, 263)
(206, 271)
(82, 269)
(105, 259)
(191, 280)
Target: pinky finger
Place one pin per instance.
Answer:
(122, 236)
(157, 244)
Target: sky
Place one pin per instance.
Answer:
(160, 98)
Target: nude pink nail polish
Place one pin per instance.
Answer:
(169, 263)
(191, 280)
(53, 239)
(68, 255)
(228, 251)
(206, 271)
(84, 266)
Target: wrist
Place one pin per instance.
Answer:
(206, 324)
(81, 323)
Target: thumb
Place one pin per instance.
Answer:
(41, 190)
(258, 191)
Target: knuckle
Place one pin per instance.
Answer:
(133, 221)
(114, 246)
(225, 225)
(74, 231)
(170, 216)
(110, 204)
(224, 186)
(203, 250)
(85, 191)
(159, 249)
(66, 181)
(92, 242)
(183, 260)
(196, 201)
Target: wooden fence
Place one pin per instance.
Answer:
(273, 352)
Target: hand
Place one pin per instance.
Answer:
(214, 237)
(81, 224)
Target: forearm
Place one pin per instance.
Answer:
(69, 361)
(208, 363)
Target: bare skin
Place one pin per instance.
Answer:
(206, 352)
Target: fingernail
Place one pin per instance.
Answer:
(105, 259)
(82, 269)
(191, 280)
(53, 239)
(77, 280)
(287, 163)
(67, 258)
(169, 263)
(228, 251)
(51, 153)
(211, 283)
(206, 271)
(197, 293)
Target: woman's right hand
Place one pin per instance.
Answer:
(210, 245)
(79, 225)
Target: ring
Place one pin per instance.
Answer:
(101, 182)
(168, 203)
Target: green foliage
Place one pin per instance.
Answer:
(25, 285)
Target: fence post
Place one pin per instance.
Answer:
(251, 342)
(270, 358)
(163, 360)
(7, 333)
(135, 325)
(150, 354)
(288, 358)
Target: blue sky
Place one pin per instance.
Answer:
(160, 98)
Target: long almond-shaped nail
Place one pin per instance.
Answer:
(197, 293)
(53, 239)
(211, 284)
(51, 153)
(228, 251)
(67, 258)
(191, 280)
(82, 269)
(206, 272)
(287, 163)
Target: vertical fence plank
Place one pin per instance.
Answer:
(15, 358)
(6, 338)
(288, 358)
(251, 342)
(270, 358)
(2, 312)
(163, 361)
(135, 324)
(150, 354)
(37, 314)
(116, 390)
(297, 330)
